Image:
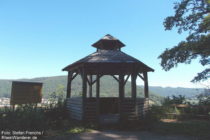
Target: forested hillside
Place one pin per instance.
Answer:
(109, 87)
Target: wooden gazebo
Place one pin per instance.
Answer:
(107, 60)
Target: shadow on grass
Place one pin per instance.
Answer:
(195, 128)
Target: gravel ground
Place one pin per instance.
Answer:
(120, 135)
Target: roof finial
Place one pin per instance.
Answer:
(108, 42)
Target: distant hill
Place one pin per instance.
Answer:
(109, 87)
(169, 91)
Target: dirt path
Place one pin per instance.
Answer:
(121, 135)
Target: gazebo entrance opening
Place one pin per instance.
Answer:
(107, 60)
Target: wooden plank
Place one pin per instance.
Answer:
(75, 108)
(91, 103)
(77, 105)
(72, 100)
(76, 113)
(76, 117)
(75, 99)
(75, 102)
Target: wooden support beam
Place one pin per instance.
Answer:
(90, 85)
(96, 79)
(88, 81)
(97, 95)
(141, 76)
(115, 78)
(68, 95)
(126, 79)
(73, 76)
(80, 72)
(146, 87)
(133, 85)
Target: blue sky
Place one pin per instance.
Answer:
(40, 37)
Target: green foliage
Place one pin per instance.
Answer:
(58, 95)
(56, 115)
(155, 113)
(204, 98)
(29, 117)
(24, 117)
(80, 129)
(192, 16)
(174, 100)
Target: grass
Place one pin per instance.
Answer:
(70, 127)
(77, 130)
(194, 128)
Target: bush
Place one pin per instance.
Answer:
(24, 117)
(155, 113)
(55, 115)
(174, 100)
(28, 117)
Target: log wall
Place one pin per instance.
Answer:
(134, 111)
(90, 113)
(75, 108)
(130, 109)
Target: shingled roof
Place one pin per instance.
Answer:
(112, 55)
(108, 56)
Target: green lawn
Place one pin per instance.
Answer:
(195, 128)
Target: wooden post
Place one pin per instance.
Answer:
(13, 107)
(146, 88)
(84, 91)
(121, 95)
(97, 96)
(90, 85)
(68, 95)
(133, 85)
(133, 91)
(121, 86)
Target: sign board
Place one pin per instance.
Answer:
(26, 92)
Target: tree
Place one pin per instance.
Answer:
(58, 94)
(204, 98)
(192, 16)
